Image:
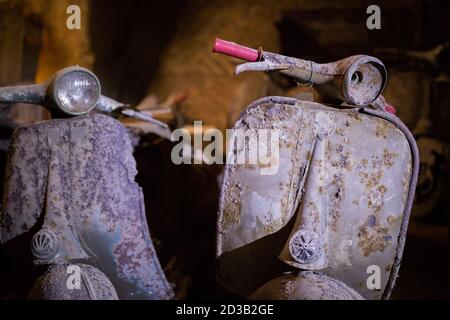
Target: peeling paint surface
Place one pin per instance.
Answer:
(349, 186)
(76, 176)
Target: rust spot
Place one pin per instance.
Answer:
(340, 131)
(356, 116)
(392, 220)
(381, 130)
(335, 197)
(231, 212)
(373, 237)
(389, 158)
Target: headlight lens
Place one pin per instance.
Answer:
(77, 92)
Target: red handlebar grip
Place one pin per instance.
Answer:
(390, 108)
(235, 50)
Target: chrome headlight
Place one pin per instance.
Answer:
(76, 90)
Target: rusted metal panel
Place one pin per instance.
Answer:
(305, 285)
(76, 177)
(343, 182)
(52, 285)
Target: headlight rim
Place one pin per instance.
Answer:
(349, 98)
(55, 85)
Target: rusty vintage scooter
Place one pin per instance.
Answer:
(70, 188)
(331, 222)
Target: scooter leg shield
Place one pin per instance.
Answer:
(335, 197)
(71, 182)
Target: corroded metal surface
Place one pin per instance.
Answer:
(357, 80)
(33, 94)
(344, 175)
(93, 285)
(71, 181)
(306, 285)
